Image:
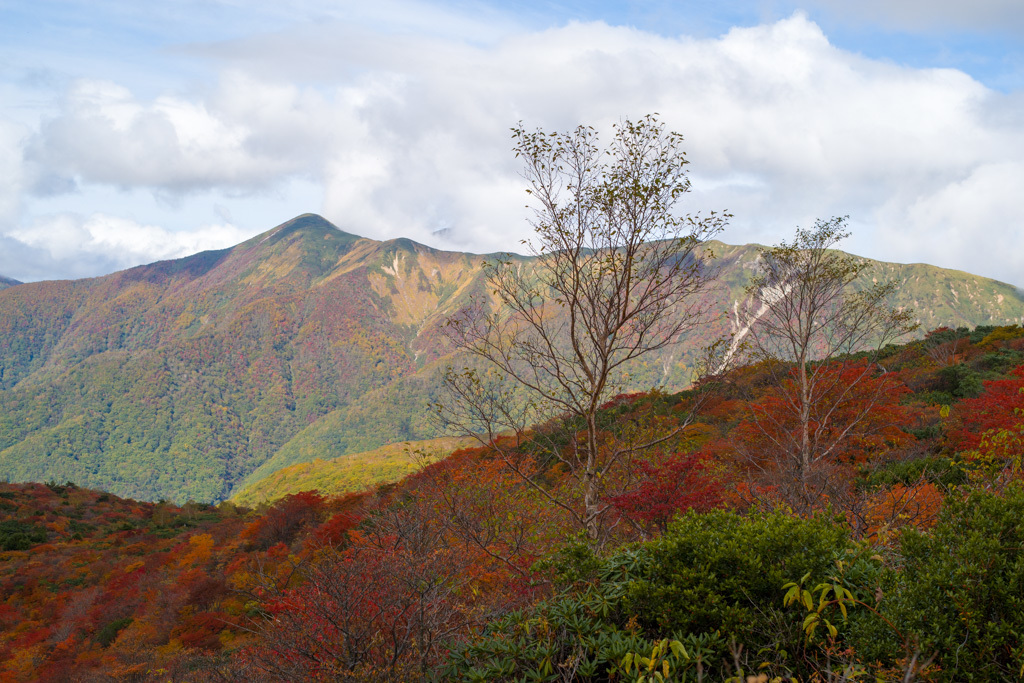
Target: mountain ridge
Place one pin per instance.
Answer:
(194, 377)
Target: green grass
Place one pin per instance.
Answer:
(355, 472)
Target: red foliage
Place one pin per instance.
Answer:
(282, 522)
(998, 408)
(335, 529)
(381, 604)
(621, 399)
(680, 483)
(203, 589)
(899, 506)
(203, 630)
(348, 511)
(157, 590)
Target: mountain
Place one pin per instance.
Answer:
(177, 379)
(6, 282)
(193, 378)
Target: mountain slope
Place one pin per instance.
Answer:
(195, 377)
(354, 472)
(939, 296)
(178, 378)
(6, 282)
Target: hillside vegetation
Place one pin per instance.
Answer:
(350, 473)
(909, 569)
(195, 378)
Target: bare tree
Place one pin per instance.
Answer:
(944, 345)
(616, 274)
(816, 327)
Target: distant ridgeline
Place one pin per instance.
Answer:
(193, 378)
(6, 282)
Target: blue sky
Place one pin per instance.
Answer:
(131, 132)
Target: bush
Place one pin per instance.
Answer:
(582, 635)
(961, 591)
(936, 469)
(722, 572)
(999, 362)
(960, 381)
(713, 579)
(108, 634)
(956, 592)
(15, 535)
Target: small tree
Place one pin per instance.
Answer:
(616, 275)
(808, 313)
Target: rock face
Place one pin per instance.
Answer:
(187, 379)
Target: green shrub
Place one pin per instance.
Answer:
(713, 569)
(15, 535)
(936, 469)
(936, 337)
(955, 592)
(581, 635)
(960, 381)
(712, 579)
(998, 363)
(961, 590)
(982, 331)
(108, 634)
(942, 398)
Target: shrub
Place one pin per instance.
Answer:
(108, 634)
(15, 535)
(940, 470)
(961, 591)
(960, 381)
(722, 572)
(713, 579)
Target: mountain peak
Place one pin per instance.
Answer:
(7, 282)
(308, 221)
(307, 224)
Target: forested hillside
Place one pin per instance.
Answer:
(190, 379)
(176, 380)
(7, 282)
(909, 568)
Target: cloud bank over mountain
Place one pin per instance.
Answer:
(403, 130)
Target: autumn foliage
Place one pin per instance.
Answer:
(999, 407)
(387, 584)
(681, 482)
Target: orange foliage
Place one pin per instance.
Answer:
(893, 508)
(851, 420)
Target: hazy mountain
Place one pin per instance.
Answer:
(6, 282)
(190, 378)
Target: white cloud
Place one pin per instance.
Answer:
(12, 171)
(978, 217)
(104, 135)
(782, 127)
(409, 134)
(81, 246)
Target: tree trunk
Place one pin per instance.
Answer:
(591, 484)
(805, 428)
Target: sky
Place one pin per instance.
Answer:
(133, 132)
